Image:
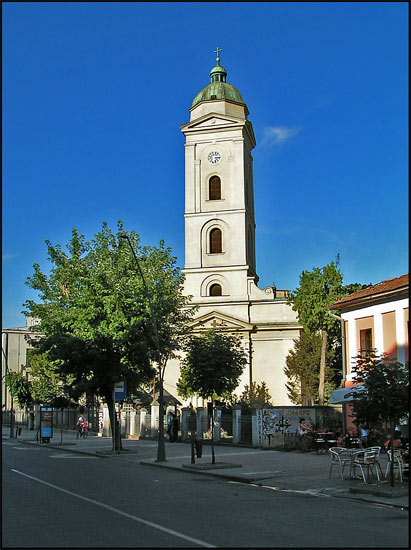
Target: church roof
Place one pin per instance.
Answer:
(218, 88)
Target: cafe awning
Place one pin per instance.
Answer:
(345, 395)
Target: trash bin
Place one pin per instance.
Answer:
(199, 447)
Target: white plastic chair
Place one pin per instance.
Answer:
(367, 460)
(340, 456)
(395, 461)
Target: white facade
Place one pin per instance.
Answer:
(223, 280)
(376, 312)
(14, 353)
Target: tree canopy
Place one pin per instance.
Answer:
(212, 365)
(20, 388)
(303, 369)
(253, 394)
(386, 395)
(95, 320)
(314, 361)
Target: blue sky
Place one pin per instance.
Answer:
(94, 95)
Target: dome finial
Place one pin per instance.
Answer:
(217, 51)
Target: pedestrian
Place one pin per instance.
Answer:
(396, 442)
(363, 434)
(175, 427)
(170, 426)
(82, 424)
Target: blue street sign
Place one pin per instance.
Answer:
(120, 390)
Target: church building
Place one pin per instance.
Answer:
(220, 257)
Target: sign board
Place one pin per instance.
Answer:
(46, 422)
(120, 390)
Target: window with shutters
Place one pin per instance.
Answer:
(214, 188)
(215, 290)
(215, 241)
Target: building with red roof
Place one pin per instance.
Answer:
(375, 318)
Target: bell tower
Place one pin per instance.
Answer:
(219, 195)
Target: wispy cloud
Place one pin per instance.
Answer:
(276, 135)
(7, 257)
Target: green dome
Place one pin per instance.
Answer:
(218, 90)
(218, 69)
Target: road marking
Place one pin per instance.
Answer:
(121, 513)
(71, 456)
(310, 492)
(267, 472)
(25, 448)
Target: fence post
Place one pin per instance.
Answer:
(131, 423)
(236, 424)
(200, 422)
(184, 423)
(155, 410)
(143, 413)
(106, 422)
(217, 423)
(256, 425)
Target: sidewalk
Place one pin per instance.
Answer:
(292, 471)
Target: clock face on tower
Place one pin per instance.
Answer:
(214, 157)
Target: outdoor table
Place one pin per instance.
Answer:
(321, 440)
(351, 452)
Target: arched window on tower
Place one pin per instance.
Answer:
(215, 241)
(215, 290)
(214, 188)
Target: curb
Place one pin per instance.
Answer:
(61, 448)
(201, 472)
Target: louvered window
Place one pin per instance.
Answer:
(214, 188)
(215, 241)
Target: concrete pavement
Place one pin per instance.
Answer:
(289, 471)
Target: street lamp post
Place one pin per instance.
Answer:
(342, 361)
(161, 448)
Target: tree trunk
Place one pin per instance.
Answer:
(115, 425)
(161, 448)
(322, 368)
(212, 433)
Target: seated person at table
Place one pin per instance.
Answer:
(396, 443)
(351, 440)
(340, 440)
(302, 427)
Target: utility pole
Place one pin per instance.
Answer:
(161, 449)
(342, 364)
(323, 350)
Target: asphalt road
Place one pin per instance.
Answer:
(54, 499)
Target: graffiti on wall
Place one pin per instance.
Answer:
(273, 423)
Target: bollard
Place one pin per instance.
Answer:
(199, 447)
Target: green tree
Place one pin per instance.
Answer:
(212, 367)
(303, 369)
(44, 376)
(96, 325)
(20, 388)
(318, 289)
(253, 394)
(386, 396)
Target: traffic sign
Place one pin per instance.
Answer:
(120, 390)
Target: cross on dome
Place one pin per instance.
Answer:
(217, 51)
